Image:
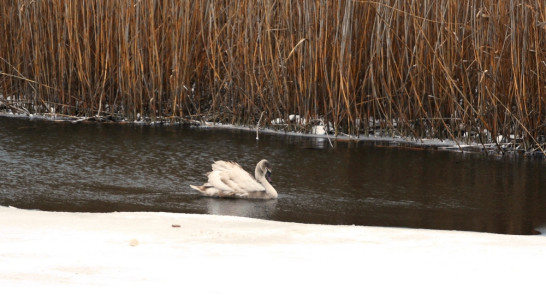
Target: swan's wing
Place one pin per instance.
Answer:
(243, 180)
(217, 181)
(231, 177)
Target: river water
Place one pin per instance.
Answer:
(90, 167)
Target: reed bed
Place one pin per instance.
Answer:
(454, 69)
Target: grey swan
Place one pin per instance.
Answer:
(230, 180)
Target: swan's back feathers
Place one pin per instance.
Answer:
(225, 165)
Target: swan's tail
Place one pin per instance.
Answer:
(198, 188)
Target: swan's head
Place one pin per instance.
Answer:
(263, 169)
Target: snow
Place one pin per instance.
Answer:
(141, 258)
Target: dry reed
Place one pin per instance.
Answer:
(443, 68)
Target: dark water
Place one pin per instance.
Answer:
(102, 168)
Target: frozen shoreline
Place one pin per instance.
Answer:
(445, 144)
(430, 143)
(141, 258)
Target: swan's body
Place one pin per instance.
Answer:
(230, 180)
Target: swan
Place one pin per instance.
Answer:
(230, 180)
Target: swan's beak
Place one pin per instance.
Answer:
(268, 176)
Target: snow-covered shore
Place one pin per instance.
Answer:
(203, 259)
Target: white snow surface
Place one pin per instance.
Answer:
(140, 258)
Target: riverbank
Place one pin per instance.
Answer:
(504, 147)
(203, 259)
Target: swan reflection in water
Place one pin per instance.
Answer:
(262, 209)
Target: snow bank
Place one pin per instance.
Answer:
(70, 258)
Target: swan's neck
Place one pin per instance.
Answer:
(269, 189)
